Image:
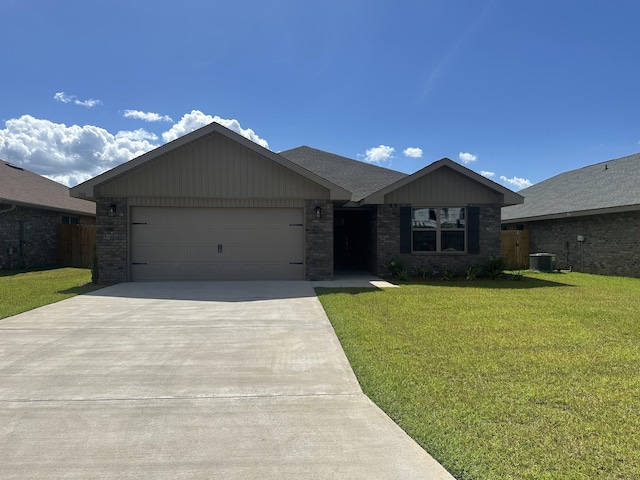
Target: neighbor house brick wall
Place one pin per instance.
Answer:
(387, 224)
(611, 242)
(319, 240)
(111, 240)
(28, 238)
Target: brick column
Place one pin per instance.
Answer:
(319, 240)
(111, 240)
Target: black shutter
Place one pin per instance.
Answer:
(405, 229)
(473, 230)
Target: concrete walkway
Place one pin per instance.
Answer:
(229, 380)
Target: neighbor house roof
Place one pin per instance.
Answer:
(360, 178)
(605, 187)
(23, 188)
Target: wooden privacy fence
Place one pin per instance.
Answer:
(515, 249)
(76, 244)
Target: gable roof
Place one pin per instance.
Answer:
(604, 187)
(508, 197)
(23, 188)
(91, 188)
(360, 178)
(348, 180)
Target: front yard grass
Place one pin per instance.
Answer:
(21, 291)
(538, 378)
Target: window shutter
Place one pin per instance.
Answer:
(473, 230)
(405, 229)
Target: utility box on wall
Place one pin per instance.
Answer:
(542, 262)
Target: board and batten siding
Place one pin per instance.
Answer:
(213, 167)
(443, 187)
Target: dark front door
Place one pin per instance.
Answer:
(352, 239)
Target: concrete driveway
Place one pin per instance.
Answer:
(229, 380)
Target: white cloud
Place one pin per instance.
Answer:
(73, 154)
(64, 98)
(379, 154)
(487, 174)
(517, 182)
(467, 157)
(412, 152)
(147, 116)
(69, 153)
(196, 119)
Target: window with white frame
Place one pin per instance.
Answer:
(438, 229)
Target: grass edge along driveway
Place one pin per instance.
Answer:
(537, 378)
(21, 291)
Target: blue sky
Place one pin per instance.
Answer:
(519, 91)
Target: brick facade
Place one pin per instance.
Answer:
(611, 242)
(112, 240)
(28, 238)
(386, 221)
(319, 240)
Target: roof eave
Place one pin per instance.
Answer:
(50, 208)
(573, 214)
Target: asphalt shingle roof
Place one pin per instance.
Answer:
(610, 184)
(25, 188)
(360, 178)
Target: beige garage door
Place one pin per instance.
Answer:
(173, 243)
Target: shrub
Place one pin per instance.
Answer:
(396, 269)
(494, 267)
(448, 274)
(473, 272)
(424, 272)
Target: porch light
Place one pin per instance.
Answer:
(318, 212)
(112, 210)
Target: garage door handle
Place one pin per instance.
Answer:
(296, 263)
(139, 263)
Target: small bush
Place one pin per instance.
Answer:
(396, 269)
(448, 274)
(494, 267)
(424, 271)
(473, 272)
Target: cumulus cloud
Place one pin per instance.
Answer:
(147, 116)
(73, 154)
(379, 154)
(412, 152)
(467, 157)
(516, 182)
(64, 98)
(487, 174)
(69, 153)
(196, 119)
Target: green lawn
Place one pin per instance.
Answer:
(22, 291)
(538, 378)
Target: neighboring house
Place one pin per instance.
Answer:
(31, 207)
(589, 217)
(214, 205)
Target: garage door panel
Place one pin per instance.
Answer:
(171, 243)
(174, 255)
